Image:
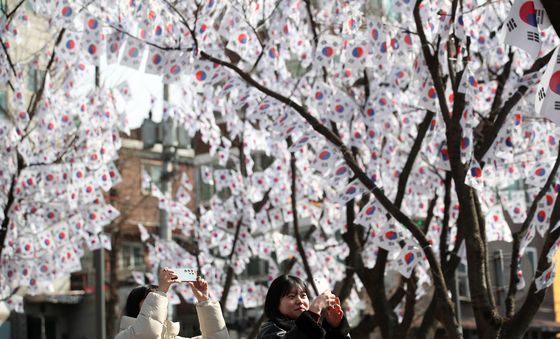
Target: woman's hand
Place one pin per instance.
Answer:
(322, 301)
(334, 314)
(199, 289)
(166, 278)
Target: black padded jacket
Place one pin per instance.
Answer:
(304, 327)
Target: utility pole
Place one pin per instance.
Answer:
(169, 144)
(99, 264)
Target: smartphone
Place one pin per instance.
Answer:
(185, 273)
(322, 284)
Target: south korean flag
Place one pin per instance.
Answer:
(69, 46)
(547, 99)
(542, 18)
(133, 53)
(91, 40)
(328, 47)
(156, 61)
(176, 64)
(522, 27)
(66, 13)
(114, 43)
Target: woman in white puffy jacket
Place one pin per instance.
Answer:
(146, 312)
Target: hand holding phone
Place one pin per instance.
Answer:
(185, 273)
(322, 284)
(166, 278)
(199, 289)
(334, 314)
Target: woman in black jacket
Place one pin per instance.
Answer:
(292, 316)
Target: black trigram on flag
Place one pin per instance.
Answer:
(540, 15)
(557, 105)
(541, 94)
(558, 59)
(511, 25)
(533, 36)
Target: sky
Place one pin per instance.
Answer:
(143, 87)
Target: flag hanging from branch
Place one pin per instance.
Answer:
(543, 21)
(114, 43)
(546, 278)
(133, 53)
(66, 12)
(91, 44)
(389, 237)
(474, 176)
(522, 27)
(175, 66)
(155, 62)
(69, 47)
(328, 47)
(547, 99)
(408, 258)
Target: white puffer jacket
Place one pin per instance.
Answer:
(151, 322)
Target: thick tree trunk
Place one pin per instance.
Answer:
(429, 322)
(487, 319)
(353, 240)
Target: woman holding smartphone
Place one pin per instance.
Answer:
(145, 313)
(291, 315)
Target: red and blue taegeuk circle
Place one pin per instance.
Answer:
(554, 82)
(528, 14)
(200, 75)
(409, 257)
(325, 155)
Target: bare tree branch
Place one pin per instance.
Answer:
(487, 131)
(515, 326)
(432, 63)
(518, 236)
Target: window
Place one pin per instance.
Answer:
(132, 256)
(257, 267)
(204, 191)
(262, 161)
(383, 8)
(154, 171)
(184, 138)
(463, 283)
(3, 105)
(531, 256)
(34, 79)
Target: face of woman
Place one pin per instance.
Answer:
(294, 303)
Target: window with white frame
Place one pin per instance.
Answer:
(132, 256)
(531, 256)
(204, 191)
(154, 171)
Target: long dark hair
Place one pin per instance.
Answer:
(279, 288)
(132, 307)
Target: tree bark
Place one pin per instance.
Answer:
(517, 325)
(301, 249)
(552, 8)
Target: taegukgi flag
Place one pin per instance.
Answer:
(547, 99)
(522, 27)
